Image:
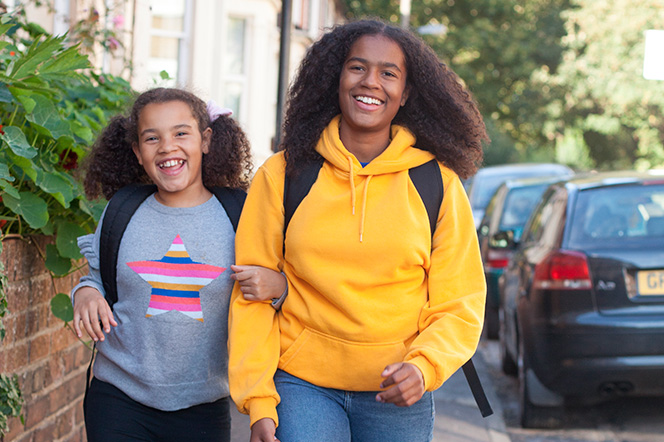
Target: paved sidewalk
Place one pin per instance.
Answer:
(457, 417)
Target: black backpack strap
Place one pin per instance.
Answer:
(232, 200)
(429, 184)
(119, 211)
(476, 388)
(297, 187)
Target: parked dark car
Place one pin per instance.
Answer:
(484, 183)
(582, 300)
(499, 233)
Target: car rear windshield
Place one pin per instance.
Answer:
(519, 204)
(628, 215)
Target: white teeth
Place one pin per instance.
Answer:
(368, 100)
(170, 163)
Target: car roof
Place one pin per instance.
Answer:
(602, 179)
(516, 168)
(535, 181)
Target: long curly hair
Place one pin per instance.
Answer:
(439, 111)
(112, 164)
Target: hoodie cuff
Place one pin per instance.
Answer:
(428, 372)
(260, 408)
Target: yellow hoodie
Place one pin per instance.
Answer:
(367, 288)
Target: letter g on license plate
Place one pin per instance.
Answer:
(650, 282)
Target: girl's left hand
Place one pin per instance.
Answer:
(259, 283)
(404, 383)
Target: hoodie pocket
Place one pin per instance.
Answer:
(331, 362)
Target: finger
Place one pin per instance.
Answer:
(243, 276)
(77, 326)
(96, 327)
(388, 374)
(88, 328)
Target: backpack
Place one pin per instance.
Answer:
(429, 184)
(121, 208)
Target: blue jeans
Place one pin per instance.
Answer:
(308, 413)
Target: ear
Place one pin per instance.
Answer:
(404, 96)
(137, 152)
(206, 138)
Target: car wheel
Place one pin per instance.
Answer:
(533, 415)
(507, 363)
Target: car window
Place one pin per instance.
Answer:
(547, 221)
(624, 214)
(518, 206)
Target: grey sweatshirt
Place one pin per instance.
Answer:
(169, 349)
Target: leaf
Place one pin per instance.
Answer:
(30, 207)
(37, 53)
(5, 95)
(25, 164)
(4, 172)
(66, 239)
(9, 189)
(55, 263)
(62, 308)
(23, 97)
(46, 116)
(65, 63)
(17, 142)
(57, 186)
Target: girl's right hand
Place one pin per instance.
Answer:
(93, 311)
(263, 430)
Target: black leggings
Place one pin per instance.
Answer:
(112, 416)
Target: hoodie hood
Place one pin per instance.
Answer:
(398, 156)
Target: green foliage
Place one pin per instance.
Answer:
(51, 107)
(11, 400)
(603, 93)
(62, 308)
(50, 112)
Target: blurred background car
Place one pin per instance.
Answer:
(500, 232)
(582, 300)
(484, 183)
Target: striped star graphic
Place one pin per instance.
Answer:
(176, 281)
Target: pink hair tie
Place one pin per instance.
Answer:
(215, 111)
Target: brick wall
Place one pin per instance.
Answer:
(48, 359)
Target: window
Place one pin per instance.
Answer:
(235, 60)
(169, 34)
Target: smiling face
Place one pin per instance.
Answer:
(170, 148)
(372, 86)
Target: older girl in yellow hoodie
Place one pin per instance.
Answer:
(380, 312)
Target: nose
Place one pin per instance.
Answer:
(370, 79)
(167, 144)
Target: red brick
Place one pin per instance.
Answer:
(10, 330)
(61, 339)
(65, 423)
(16, 357)
(45, 433)
(40, 347)
(18, 295)
(36, 411)
(15, 429)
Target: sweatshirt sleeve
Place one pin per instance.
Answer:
(450, 323)
(89, 247)
(253, 342)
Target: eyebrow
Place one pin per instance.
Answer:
(384, 63)
(177, 126)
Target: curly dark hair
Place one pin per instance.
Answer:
(439, 111)
(112, 164)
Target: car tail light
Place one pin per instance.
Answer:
(563, 269)
(497, 259)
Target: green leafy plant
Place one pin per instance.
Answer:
(52, 104)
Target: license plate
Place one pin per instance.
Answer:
(650, 283)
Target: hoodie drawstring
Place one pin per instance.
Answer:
(352, 185)
(351, 177)
(364, 204)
